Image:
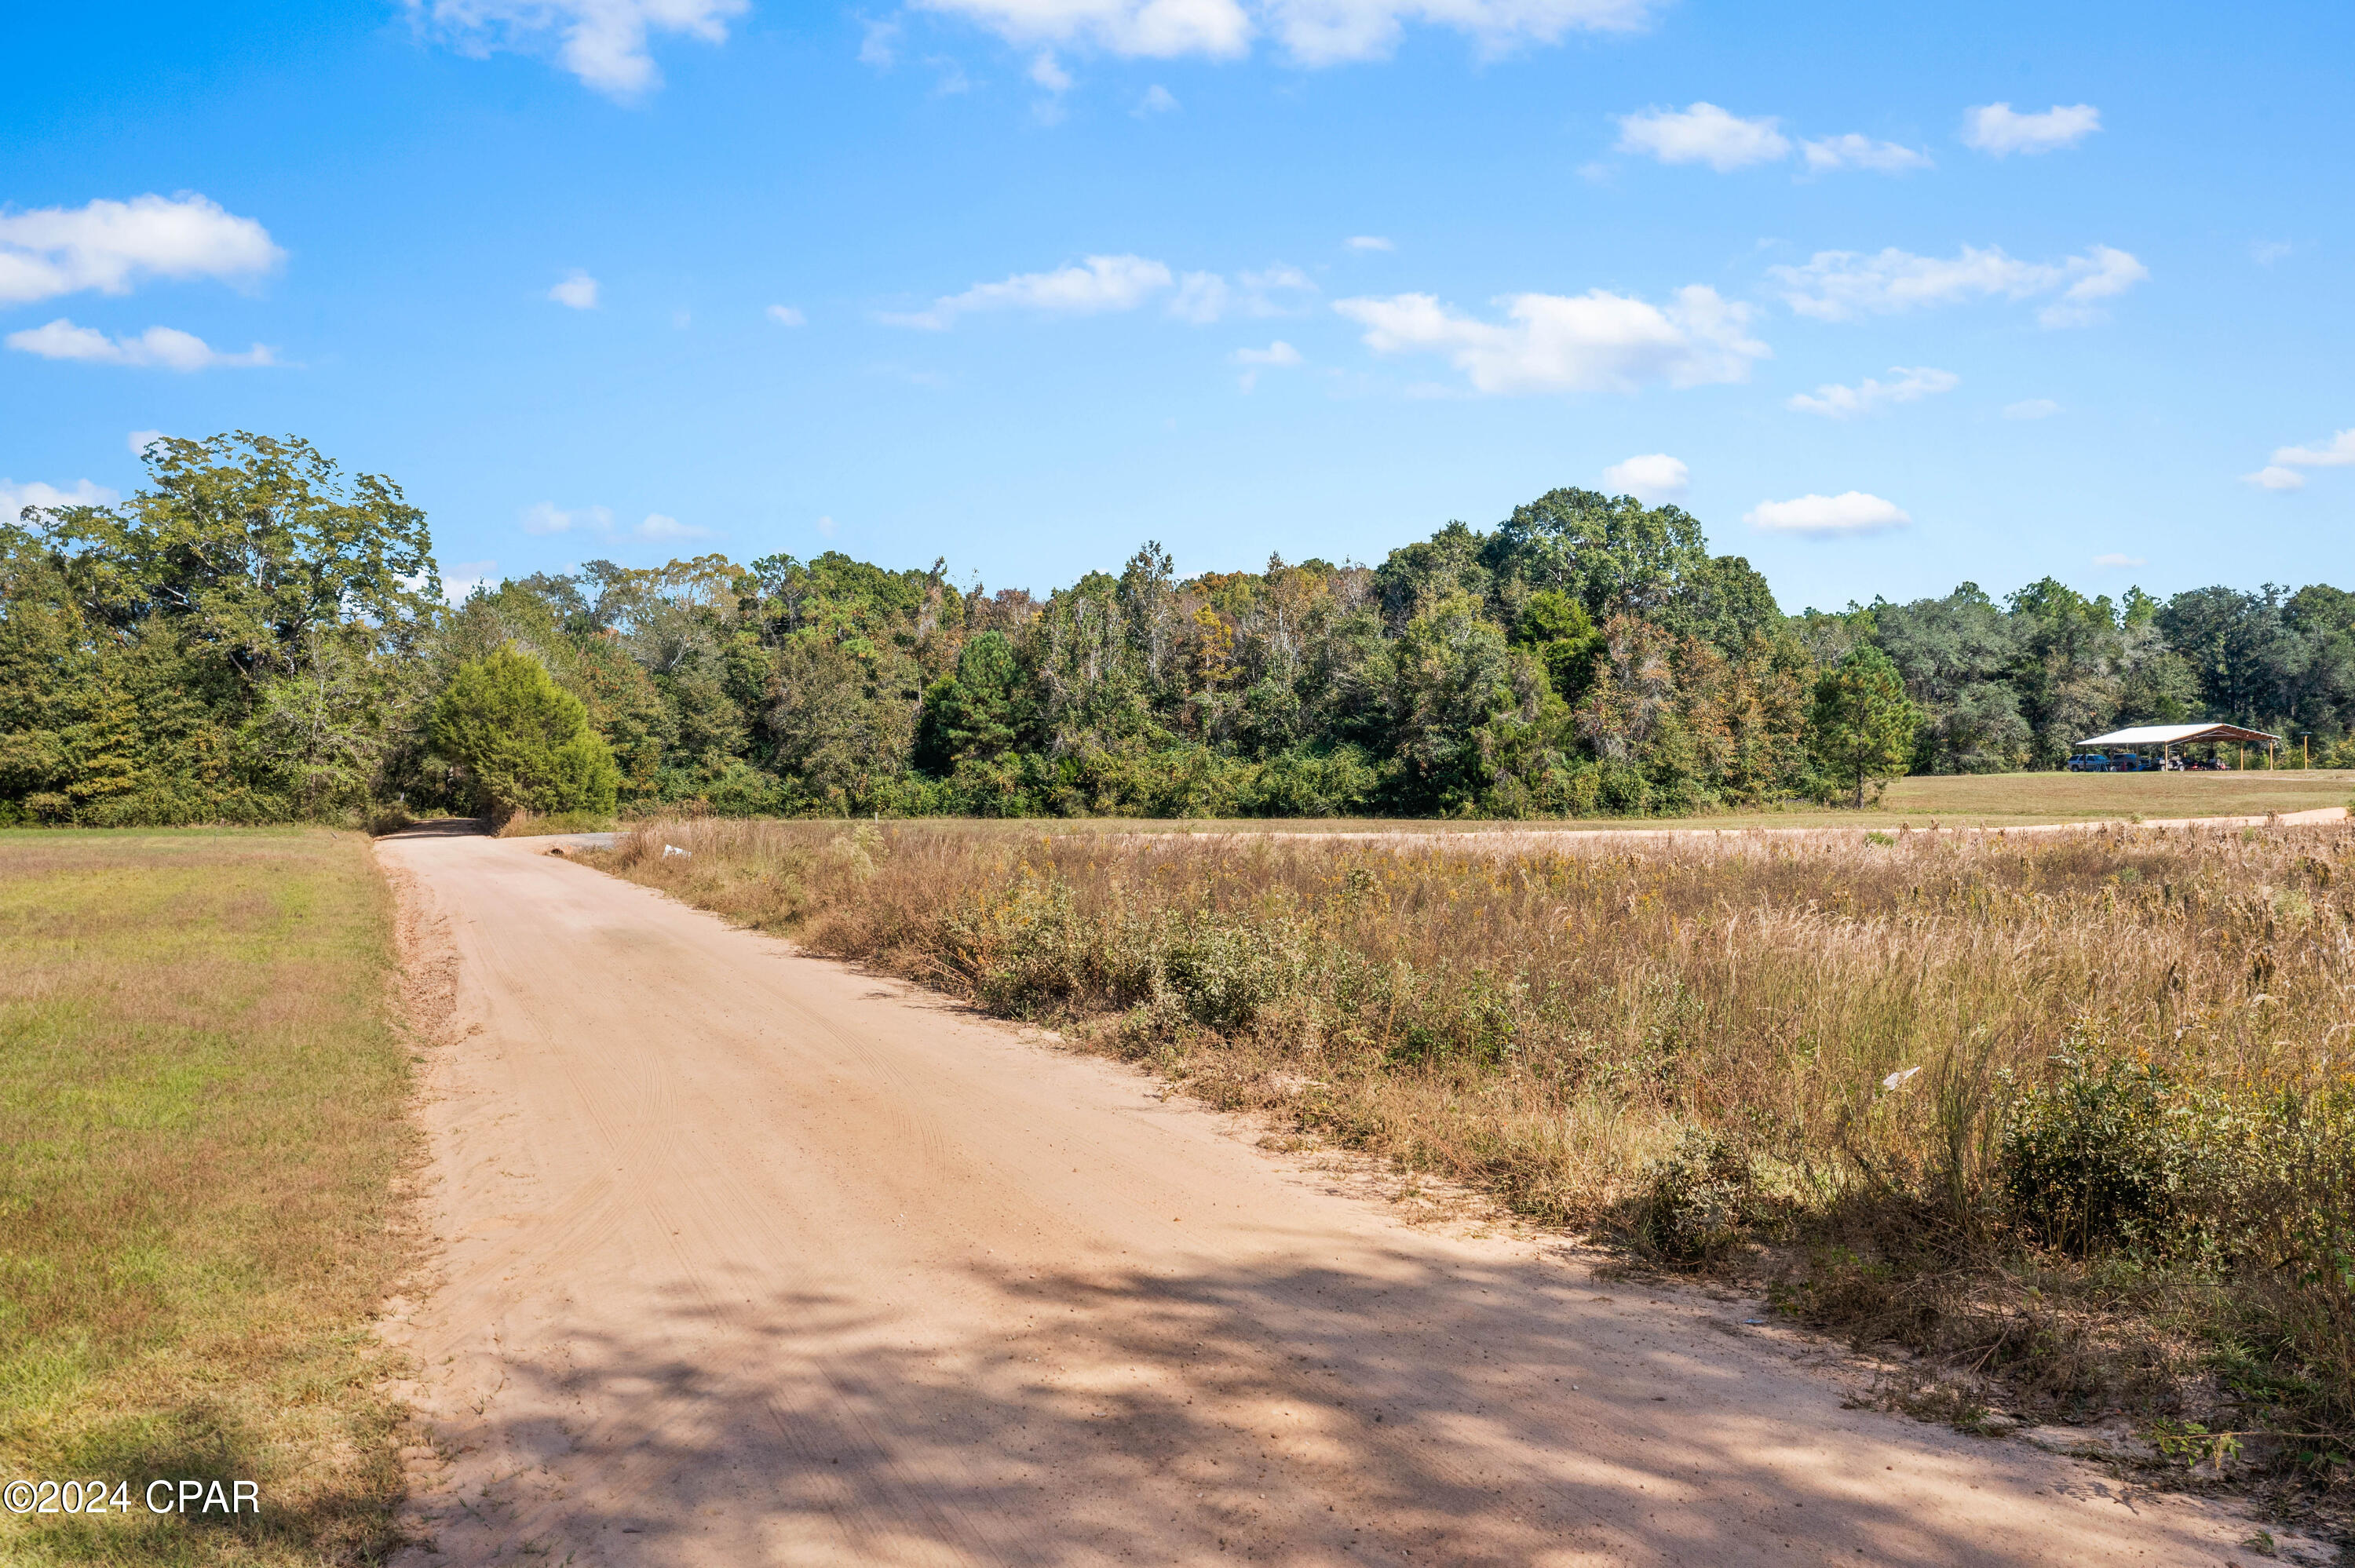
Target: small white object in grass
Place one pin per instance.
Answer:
(670, 850)
(1897, 1079)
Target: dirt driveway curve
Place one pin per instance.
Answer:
(749, 1258)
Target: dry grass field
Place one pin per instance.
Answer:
(202, 1097)
(2076, 1110)
(1991, 801)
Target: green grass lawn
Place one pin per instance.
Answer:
(1998, 800)
(202, 1097)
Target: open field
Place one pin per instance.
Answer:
(2075, 1110)
(202, 1116)
(1996, 800)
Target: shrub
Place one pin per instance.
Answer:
(1696, 1198)
(2089, 1157)
(524, 743)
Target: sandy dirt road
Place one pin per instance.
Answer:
(748, 1258)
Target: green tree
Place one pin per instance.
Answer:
(1862, 726)
(524, 742)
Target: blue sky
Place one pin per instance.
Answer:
(1024, 282)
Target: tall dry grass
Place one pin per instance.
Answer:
(2079, 1100)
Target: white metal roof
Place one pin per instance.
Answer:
(2173, 734)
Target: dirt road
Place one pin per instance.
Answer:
(749, 1258)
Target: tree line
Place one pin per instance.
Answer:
(257, 636)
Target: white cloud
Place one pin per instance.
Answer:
(1327, 32)
(15, 497)
(1869, 395)
(1313, 32)
(546, 517)
(2266, 252)
(1368, 242)
(879, 44)
(140, 440)
(1157, 100)
(1046, 72)
(464, 577)
(825, 527)
(602, 42)
(1553, 343)
(1101, 283)
(110, 246)
(1201, 298)
(1274, 291)
(1855, 152)
(2282, 473)
(785, 316)
(577, 290)
(1703, 134)
(2032, 408)
(1651, 479)
(2001, 130)
(1276, 355)
(168, 347)
(1841, 285)
(2338, 453)
(2114, 559)
(658, 526)
(1827, 516)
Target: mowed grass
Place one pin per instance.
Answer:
(202, 1093)
(1995, 800)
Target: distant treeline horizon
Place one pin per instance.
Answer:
(256, 636)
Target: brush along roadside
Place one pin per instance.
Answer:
(2072, 1112)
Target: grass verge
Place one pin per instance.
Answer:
(2073, 1111)
(202, 1099)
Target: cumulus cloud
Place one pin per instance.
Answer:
(15, 497)
(659, 526)
(2338, 452)
(1157, 100)
(1279, 353)
(1842, 285)
(577, 290)
(1827, 516)
(1098, 284)
(1206, 297)
(111, 246)
(545, 517)
(1047, 72)
(1553, 343)
(2114, 559)
(1704, 134)
(2001, 131)
(1855, 152)
(1313, 32)
(785, 316)
(1651, 479)
(168, 347)
(140, 440)
(1368, 242)
(1870, 396)
(2283, 474)
(463, 578)
(879, 45)
(2032, 408)
(601, 42)
(1276, 355)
